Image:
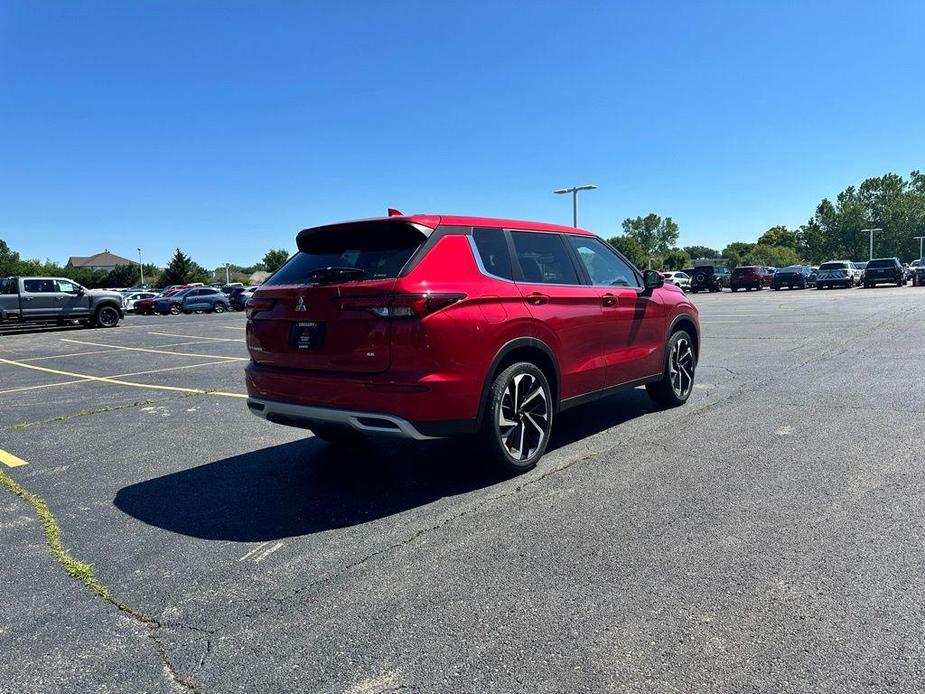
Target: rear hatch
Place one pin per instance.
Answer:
(327, 308)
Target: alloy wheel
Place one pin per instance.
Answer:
(681, 368)
(523, 418)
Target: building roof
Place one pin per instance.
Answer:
(104, 259)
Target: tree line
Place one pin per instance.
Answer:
(180, 270)
(835, 231)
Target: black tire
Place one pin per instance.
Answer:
(777, 289)
(175, 310)
(106, 317)
(677, 382)
(219, 307)
(518, 418)
(338, 436)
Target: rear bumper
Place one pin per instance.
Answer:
(419, 406)
(372, 423)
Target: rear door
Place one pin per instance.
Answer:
(633, 332)
(329, 307)
(570, 310)
(39, 298)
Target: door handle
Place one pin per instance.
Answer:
(59, 298)
(609, 299)
(27, 298)
(537, 299)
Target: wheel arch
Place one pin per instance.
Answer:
(528, 349)
(686, 322)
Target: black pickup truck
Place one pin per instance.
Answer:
(56, 299)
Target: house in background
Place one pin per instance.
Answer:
(104, 261)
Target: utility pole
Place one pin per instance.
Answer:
(872, 240)
(920, 238)
(574, 191)
(226, 274)
(141, 267)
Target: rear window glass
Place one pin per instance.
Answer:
(792, 268)
(350, 253)
(543, 258)
(834, 266)
(888, 262)
(493, 252)
(743, 271)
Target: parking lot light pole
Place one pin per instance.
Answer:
(227, 281)
(574, 191)
(141, 268)
(872, 240)
(920, 238)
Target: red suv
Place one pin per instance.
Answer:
(750, 277)
(431, 326)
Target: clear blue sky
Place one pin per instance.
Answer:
(225, 127)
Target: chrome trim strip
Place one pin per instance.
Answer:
(350, 418)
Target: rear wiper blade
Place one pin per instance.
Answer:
(334, 271)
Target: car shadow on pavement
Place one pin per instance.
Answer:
(308, 486)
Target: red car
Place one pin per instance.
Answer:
(750, 277)
(428, 326)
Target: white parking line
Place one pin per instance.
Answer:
(154, 351)
(201, 337)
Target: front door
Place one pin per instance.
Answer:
(567, 312)
(72, 301)
(632, 329)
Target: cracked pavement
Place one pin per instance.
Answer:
(765, 537)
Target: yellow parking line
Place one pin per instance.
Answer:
(169, 368)
(155, 351)
(46, 385)
(70, 354)
(200, 337)
(234, 327)
(11, 460)
(119, 382)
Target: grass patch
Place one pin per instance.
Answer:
(100, 410)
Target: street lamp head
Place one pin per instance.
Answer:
(587, 186)
(574, 189)
(562, 191)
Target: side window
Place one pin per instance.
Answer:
(604, 266)
(493, 252)
(7, 286)
(543, 258)
(39, 286)
(65, 286)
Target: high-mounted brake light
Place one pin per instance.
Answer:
(255, 305)
(399, 306)
(395, 213)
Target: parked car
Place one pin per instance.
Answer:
(426, 326)
(913, 266)
(884, 271)
(145, 307)
(130, 299)
(56, 299)
(208, 299)
(707, 278)
(678, 279)
(918, 275)
(239, 296)
(793, 277)
(171, 302)
(750, 277)
(837, 273)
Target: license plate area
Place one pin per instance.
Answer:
(307, 335)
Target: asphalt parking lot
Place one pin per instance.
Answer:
(768, 536)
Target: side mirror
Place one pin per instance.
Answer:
(652, 280)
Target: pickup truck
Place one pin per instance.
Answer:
(56, 299)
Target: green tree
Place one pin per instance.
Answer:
(9, 260)
(780, 236)
(632, 249)
(275, 258)
(701, 252)
(181, 270)
(778, 256)
(676, 259)
(654, 234)
(123, 276)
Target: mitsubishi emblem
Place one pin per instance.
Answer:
(301, 305)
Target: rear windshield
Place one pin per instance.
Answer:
(834, 266)
(349, 254)
(743, 271)
(791, 268)
(886, 262)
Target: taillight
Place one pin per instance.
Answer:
(255, 306)
(399, 306)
